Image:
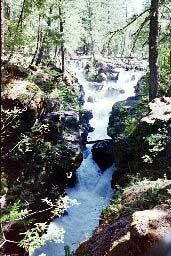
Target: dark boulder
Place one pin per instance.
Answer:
(113, 76)
(96, 86)
(122, 91)
(90, 99)
(52, 105)
(102, 154)
(139, 86)
(85, 117)
(110, 92)
(70, 119)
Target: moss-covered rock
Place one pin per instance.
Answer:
(141, 140)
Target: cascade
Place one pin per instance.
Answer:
(93, 191)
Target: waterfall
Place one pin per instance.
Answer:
(93, 191)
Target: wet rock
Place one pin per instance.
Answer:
(90, 99)
(113, 76)
(103, 77)
(85, 117)
(101, 71)
(134, 152)
(102, 154)
(81, 94)
(116, 126)
(139, 86)
(51, 153)
(110, 92)
(133, 78)
(99, 78)
(96, 86)
(122, 91)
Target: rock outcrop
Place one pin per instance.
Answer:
(85, 117)
(42, 118)
(141, 141)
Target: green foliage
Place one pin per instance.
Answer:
(67, 251)
(115, 205)
(36, 236)
(156, 143)
(130, 124)
(164, 72)
(32, 238)
(67, 96)
(13, 213)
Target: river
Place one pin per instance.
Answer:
(93, 191)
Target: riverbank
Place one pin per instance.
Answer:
(42, 120)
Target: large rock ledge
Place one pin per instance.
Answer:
(62, 132)
(147, 149)
(135, 229)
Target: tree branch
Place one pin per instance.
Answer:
(128, 24)
(137, 33)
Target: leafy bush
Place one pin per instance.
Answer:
(156, 143)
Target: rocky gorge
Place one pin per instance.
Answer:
(53, 119)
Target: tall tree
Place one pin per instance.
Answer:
(153, 51)
(61, 26)
(2, 27)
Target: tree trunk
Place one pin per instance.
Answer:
(56, 50)
(90, 14)
(170, 60)
(41, 52)
(20, 20)
(153, 51)
(38, 41)
(61, 27)
(2, 28)
(19, 26)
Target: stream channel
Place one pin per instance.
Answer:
(92, 191)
